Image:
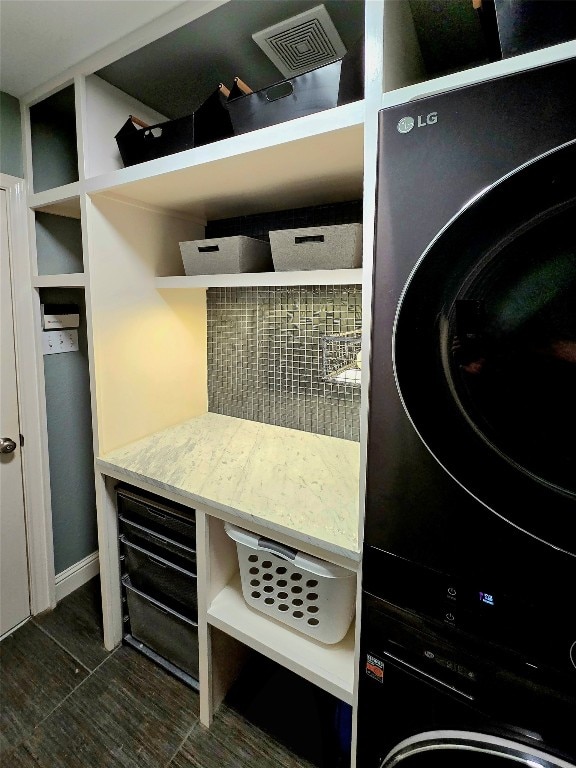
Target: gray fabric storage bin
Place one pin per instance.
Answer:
(334, 247)
(226, 255)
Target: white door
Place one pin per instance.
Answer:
(14, 589)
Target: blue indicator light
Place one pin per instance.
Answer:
(486, 598)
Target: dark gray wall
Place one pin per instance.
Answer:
(53, 137)
(10, 136)
(70, 443)
(58, 244)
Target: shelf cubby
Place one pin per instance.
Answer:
(330, 667)
(54, 141)
(58, 244)
(172, 76)
(433, 47)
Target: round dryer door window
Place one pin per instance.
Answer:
(485, 347)
(455, 749)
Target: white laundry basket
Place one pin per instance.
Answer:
(311, 595)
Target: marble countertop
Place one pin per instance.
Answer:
(302, 484)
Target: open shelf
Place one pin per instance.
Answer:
(330, 667)
(61, 201)
(307, 277)
(479, 73)
(171, 76)
(291, 165)
(428, 48)
(77, 280)
(53, 140)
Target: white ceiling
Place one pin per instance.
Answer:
(40, 39)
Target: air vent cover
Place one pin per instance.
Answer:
(302, 42)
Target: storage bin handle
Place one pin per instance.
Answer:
(286, 553)
(309, 239)
(208, 248)
(242, 85)
(153, 133)
(137, 121)
(280, 91)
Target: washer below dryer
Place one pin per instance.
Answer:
(436, 698)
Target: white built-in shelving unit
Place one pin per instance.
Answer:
(137, 297)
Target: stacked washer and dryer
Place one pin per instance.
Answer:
(469, 572)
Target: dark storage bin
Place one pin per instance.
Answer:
(158, 545)
(137, 145)
(527, 26)
(170, 635)
(160, 579)
(323, 88)
(174, 522)
(210, 122)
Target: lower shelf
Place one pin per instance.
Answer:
(330, 667)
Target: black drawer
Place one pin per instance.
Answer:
(170, 635)
(157, 544)
(173, 521)
(174, 587)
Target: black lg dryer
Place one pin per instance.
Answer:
(471, 486)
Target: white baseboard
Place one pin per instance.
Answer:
(77, 575)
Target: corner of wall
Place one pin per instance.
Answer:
(11, 161)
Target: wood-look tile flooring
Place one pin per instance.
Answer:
(68, 703)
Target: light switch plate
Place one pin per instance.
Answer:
(54, 342)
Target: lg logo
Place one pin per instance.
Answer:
(406, 124)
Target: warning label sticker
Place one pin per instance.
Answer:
(374, 668)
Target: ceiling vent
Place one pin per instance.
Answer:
(302, 42)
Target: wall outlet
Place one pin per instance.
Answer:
(54, 342)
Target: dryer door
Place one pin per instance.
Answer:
(485, 348)
(456, 749)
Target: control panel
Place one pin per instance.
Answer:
(540, 634)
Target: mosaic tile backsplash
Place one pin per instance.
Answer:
(266, 356)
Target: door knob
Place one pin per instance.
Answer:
(7, 445)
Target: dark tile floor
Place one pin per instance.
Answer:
(68, 703)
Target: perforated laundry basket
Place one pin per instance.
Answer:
(311, 595)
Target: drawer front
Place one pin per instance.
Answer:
(177, 523)
(170, 635)
(160, 579)
(158, 545)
